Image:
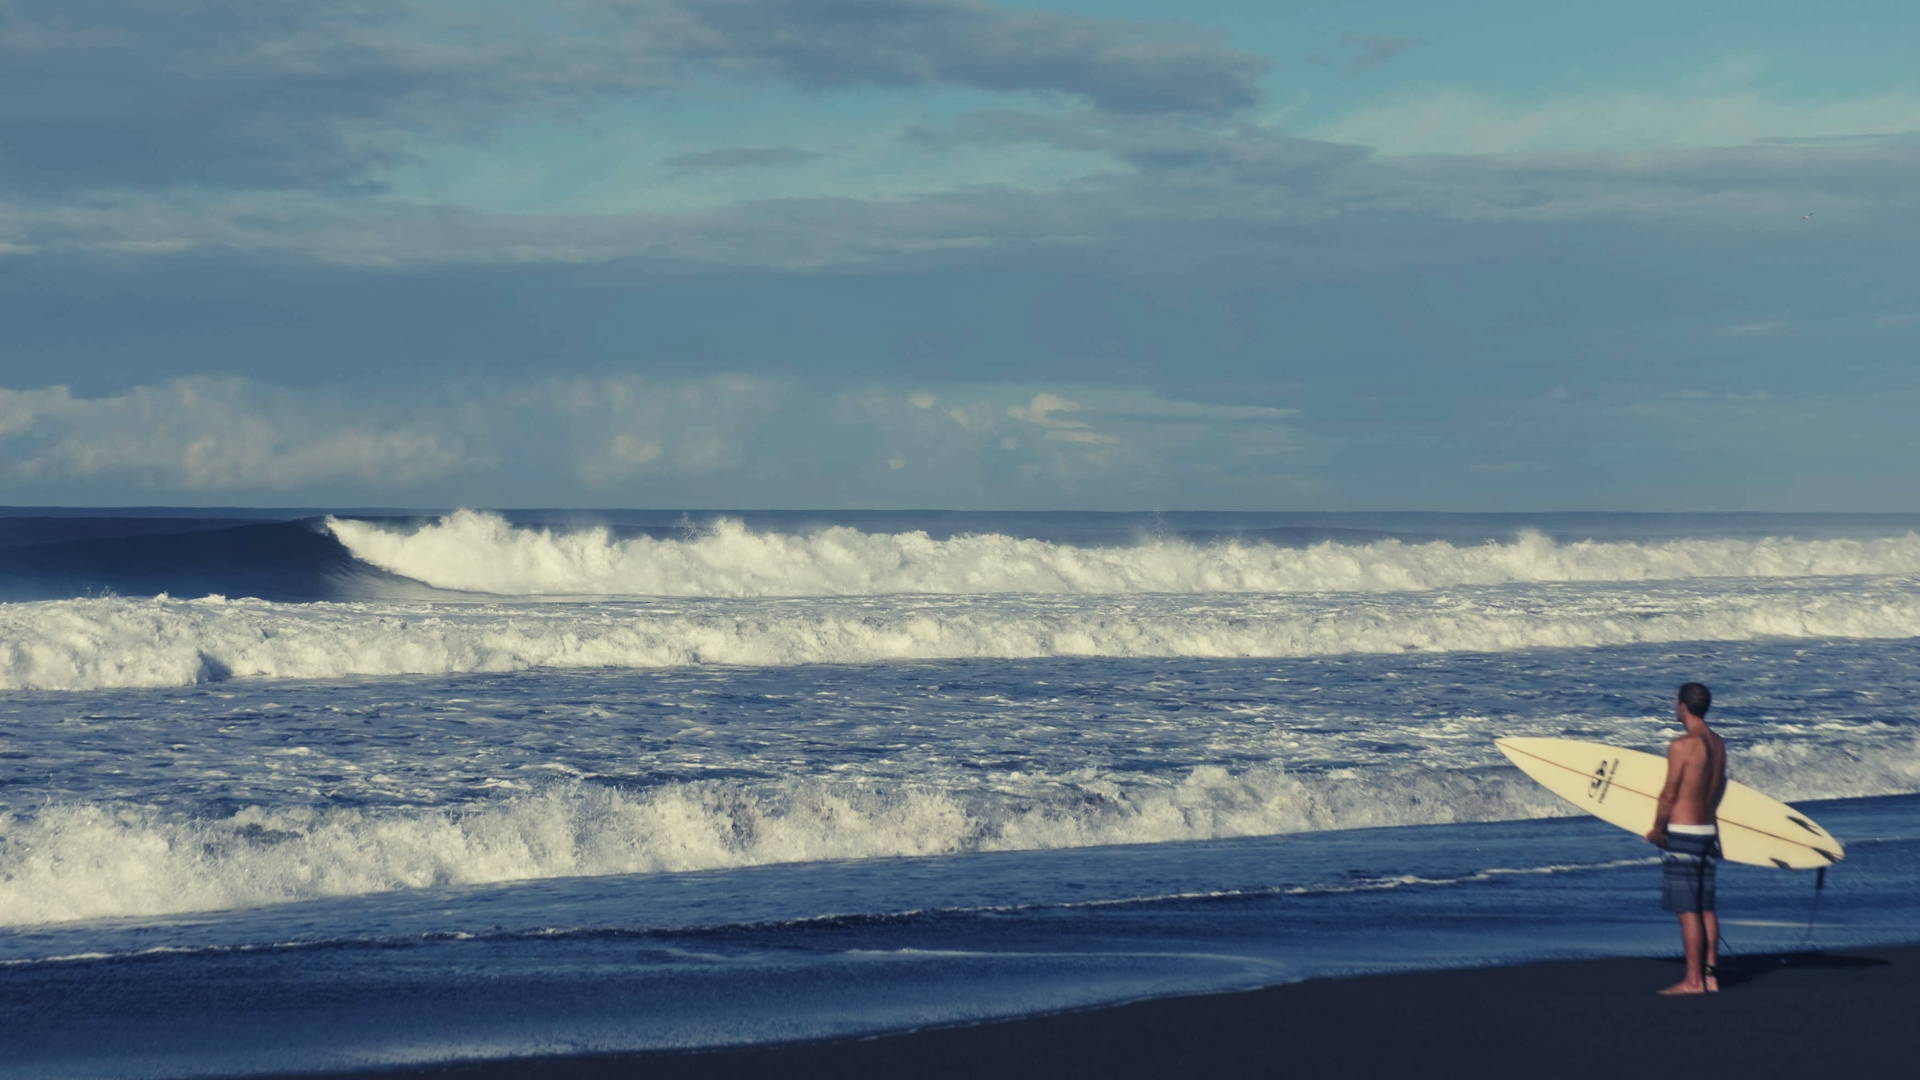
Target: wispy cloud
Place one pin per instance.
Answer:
(214, 434)
(587, 440)
(1116, 64)
(1053, 415)
(1373, 50)
(616, 428)
(1452, 121)
(1767, 329)
(321, 95)
(738, 157)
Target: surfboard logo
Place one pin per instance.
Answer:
(1603, 779)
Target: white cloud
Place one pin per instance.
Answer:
(204, 434)
(1172, 194)
(1075, 435)
(1045, 410)
(1756, 330)
(207, 434)
(1018, 440)
(1041, 408)
(624, 426)
(591, 441)
(620, 457)
(1692, 401)
(1466, 122)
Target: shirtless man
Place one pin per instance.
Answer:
(1685, 827)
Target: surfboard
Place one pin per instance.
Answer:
(1622, 787)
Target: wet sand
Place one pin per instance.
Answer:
(1780, 1015)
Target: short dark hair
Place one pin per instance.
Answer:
(1697, 698)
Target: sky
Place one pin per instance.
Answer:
(1052, 254)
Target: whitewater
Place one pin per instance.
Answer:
(113, 642)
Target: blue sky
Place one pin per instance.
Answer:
(736, 253)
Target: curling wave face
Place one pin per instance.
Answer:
(481, 552)
(112, 642)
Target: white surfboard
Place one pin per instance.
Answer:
(1622, 787)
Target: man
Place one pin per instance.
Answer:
(1685, 827)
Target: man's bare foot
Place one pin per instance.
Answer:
(1713, 984)
(1684, 987)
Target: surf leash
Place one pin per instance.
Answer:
(1813, 910)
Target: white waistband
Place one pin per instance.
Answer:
(1694, 830)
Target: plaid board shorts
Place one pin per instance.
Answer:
(1687, 871)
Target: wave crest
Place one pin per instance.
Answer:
(481, 552)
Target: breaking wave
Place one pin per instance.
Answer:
(82, 861)
(115, 642)
(480, 552)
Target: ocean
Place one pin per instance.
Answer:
(339, 788)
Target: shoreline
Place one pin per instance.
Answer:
(1777, 1013)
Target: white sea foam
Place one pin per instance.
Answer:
(1402, 881)
(67, 862)
(115, 642)
(79, 861)
(481, 552)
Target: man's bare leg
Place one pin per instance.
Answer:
(1693, 936)
(1712, 926)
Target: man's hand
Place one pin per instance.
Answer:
(1657, 837)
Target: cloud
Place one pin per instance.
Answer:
(686, 440)
(1770, 329)
(1373, 50)
(1451, 121)
(235, 94)
(738, 157)
(620, 427)
(206, 434)
(619, 458)
(211, 434)
(1178, 195)
(1150, 143)
(321, 95)
(1735, 396)
(1129, 441)
(1121, 65)
(1046, 411)
(289, 115)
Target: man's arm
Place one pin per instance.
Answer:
(1670, 791)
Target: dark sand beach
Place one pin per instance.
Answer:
(1825, 1012)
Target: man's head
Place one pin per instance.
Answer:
(1694, 698)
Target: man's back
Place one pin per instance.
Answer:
(1701, 758)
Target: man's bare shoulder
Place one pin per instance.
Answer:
(1687, 746)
